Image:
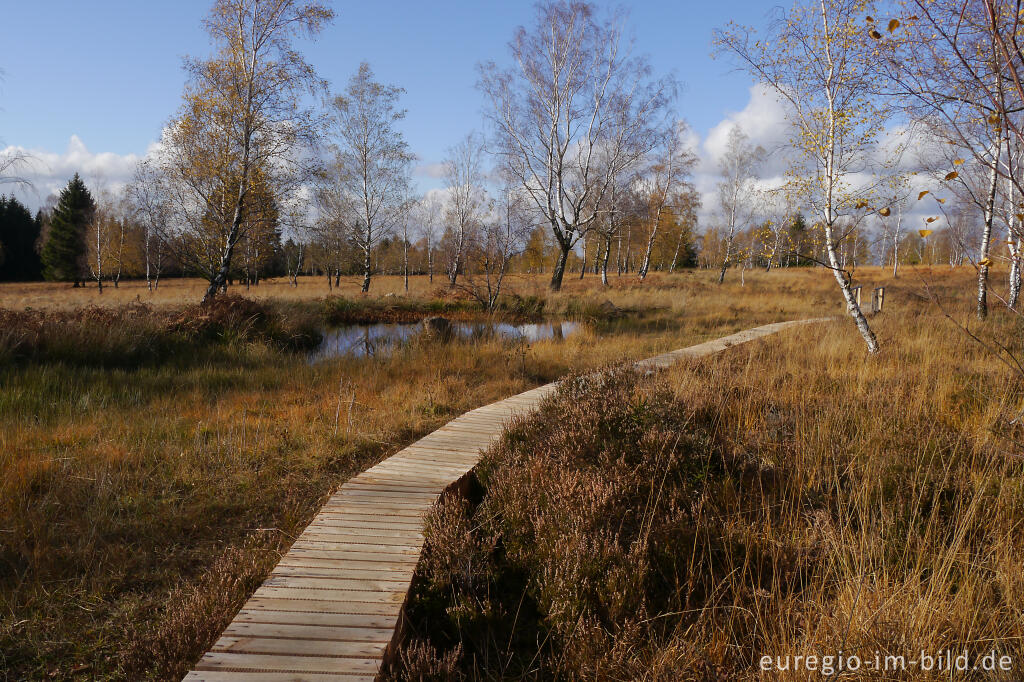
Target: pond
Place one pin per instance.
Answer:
(360, 340)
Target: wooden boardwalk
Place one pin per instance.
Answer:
(332, 608)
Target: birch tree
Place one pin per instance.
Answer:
(466, 199)
(370, 174)
(816, 59)
(739, 167)
(499, 237)
(666, 181)
(428, 213)
(686, 205)
(608, 225)
(574, 93)
(151, 205)
(946, 65)
(1013, 219)
(895, 196)
(243, 113)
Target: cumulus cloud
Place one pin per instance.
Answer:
(764, 120)
(49, 171)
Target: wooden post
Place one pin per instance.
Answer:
(856, 292)
(877, 299)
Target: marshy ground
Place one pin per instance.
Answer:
(156, 459)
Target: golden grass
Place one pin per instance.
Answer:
(139, 506)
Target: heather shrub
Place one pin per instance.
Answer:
(134, 334)
(596, 511)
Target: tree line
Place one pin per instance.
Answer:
(583, 163)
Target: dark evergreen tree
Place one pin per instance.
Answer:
(19, 233)
(64, 251)
(800, 238)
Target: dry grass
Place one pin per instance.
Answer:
(176, 291)
(141, 502)
(790, 497)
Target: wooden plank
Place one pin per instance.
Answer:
(372, 536)
(336, 518)
(374, 510)
(359, 502)
(393, 488)
(308, 632)
(335, 583)
(396, 596)
(359, 621)
(338, 523)
(298, 664)
(225, 676)
(356, 521)
(339, 503)
(401, 524)
(334, 543)
(346, 565)
(394, 535)
(312, 607)
(365, 493)
(349, 573)
(351, 555)
(402, 466)
(299, 647)
(402, 479)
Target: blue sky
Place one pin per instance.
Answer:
(110, 72)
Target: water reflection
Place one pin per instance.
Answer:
(361, 340)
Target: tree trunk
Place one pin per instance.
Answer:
(675, 256)
(149, 282)
(775, 251)
(618, 255)
(604, 261)
(220, 278)
(120, 253)
(405, 264)
(583, 263)
(986, 236)
(728, 255)
(646, 263)
(628, 256)
(851, 301)
(1014, 275)
(559, 271)
(896, 255)
(366, 269)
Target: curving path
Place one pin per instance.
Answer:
(331, 609)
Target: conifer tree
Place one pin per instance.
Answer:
(65, 245)
(18, 235)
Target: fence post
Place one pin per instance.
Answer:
(856, 293)
(877, 300)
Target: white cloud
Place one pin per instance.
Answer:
(429, 170)
(50, 171)
(763, 120)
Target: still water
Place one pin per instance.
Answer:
(359, 340)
